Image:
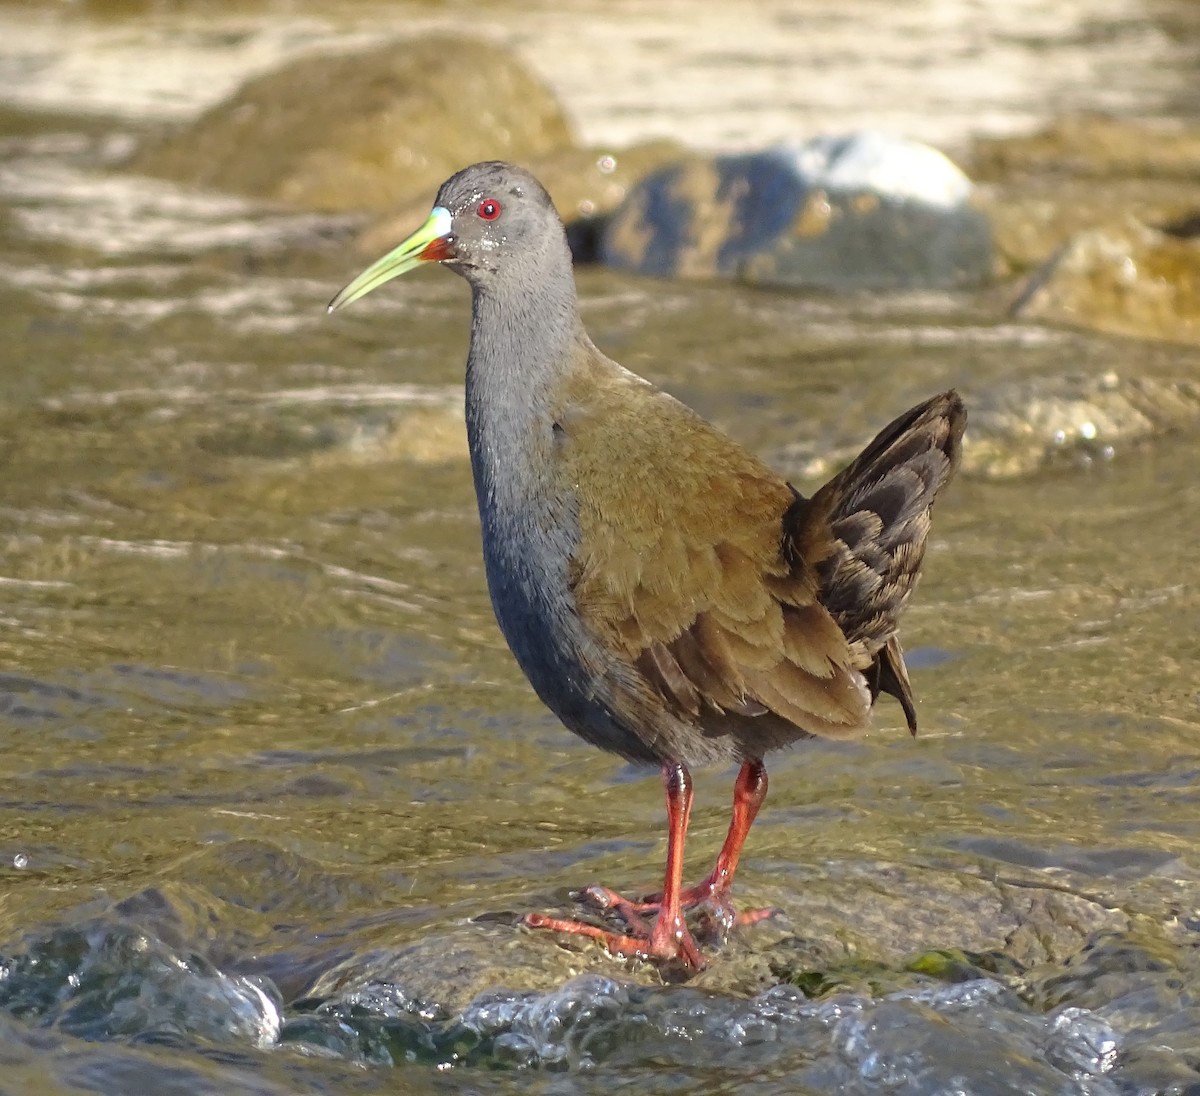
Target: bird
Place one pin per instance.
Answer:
(669, 596)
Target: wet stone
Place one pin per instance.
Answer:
(1043, 190)
(1033, 218)
(1110, 968)
(863, 928)
(1073, 420)
(488, 996)
(1126, 279)
(855, 212)
(435, 977)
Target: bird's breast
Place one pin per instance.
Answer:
(529, 520)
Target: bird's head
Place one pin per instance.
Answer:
(492, 222)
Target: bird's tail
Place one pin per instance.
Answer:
(864, 534)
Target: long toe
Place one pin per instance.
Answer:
(657, 946)
(630, 912)
(716, 915)
(716, 919)
(605, 899)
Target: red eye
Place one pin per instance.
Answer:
(489, 209)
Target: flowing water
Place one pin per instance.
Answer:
(272, 785)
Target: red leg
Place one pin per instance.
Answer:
(749, 791)
(669, 938)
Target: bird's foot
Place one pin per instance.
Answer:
(659, 943)
(719, 916)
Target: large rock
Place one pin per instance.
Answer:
(863, 211)
(881, 913)
(368, 130)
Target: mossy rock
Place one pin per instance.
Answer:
(367, 130)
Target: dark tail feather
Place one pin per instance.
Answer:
(864, 532)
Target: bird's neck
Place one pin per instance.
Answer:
(523, 345)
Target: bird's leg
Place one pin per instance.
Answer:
(749, 791)
(669, 937)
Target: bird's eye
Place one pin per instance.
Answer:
(489, 209)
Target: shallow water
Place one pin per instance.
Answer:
(274, 786)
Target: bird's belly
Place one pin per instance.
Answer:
(527, 576)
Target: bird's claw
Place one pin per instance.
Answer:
(657, 945)
(718, 915)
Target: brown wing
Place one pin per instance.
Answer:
(682, 568)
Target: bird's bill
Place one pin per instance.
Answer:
(432, 242)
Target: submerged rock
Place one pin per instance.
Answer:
(367, 130)
(1073, 420)
(863, 211)
(1109, 1020)
(873, 917)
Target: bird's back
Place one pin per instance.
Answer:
(728, 598)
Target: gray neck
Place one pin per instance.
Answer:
(522, 344)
